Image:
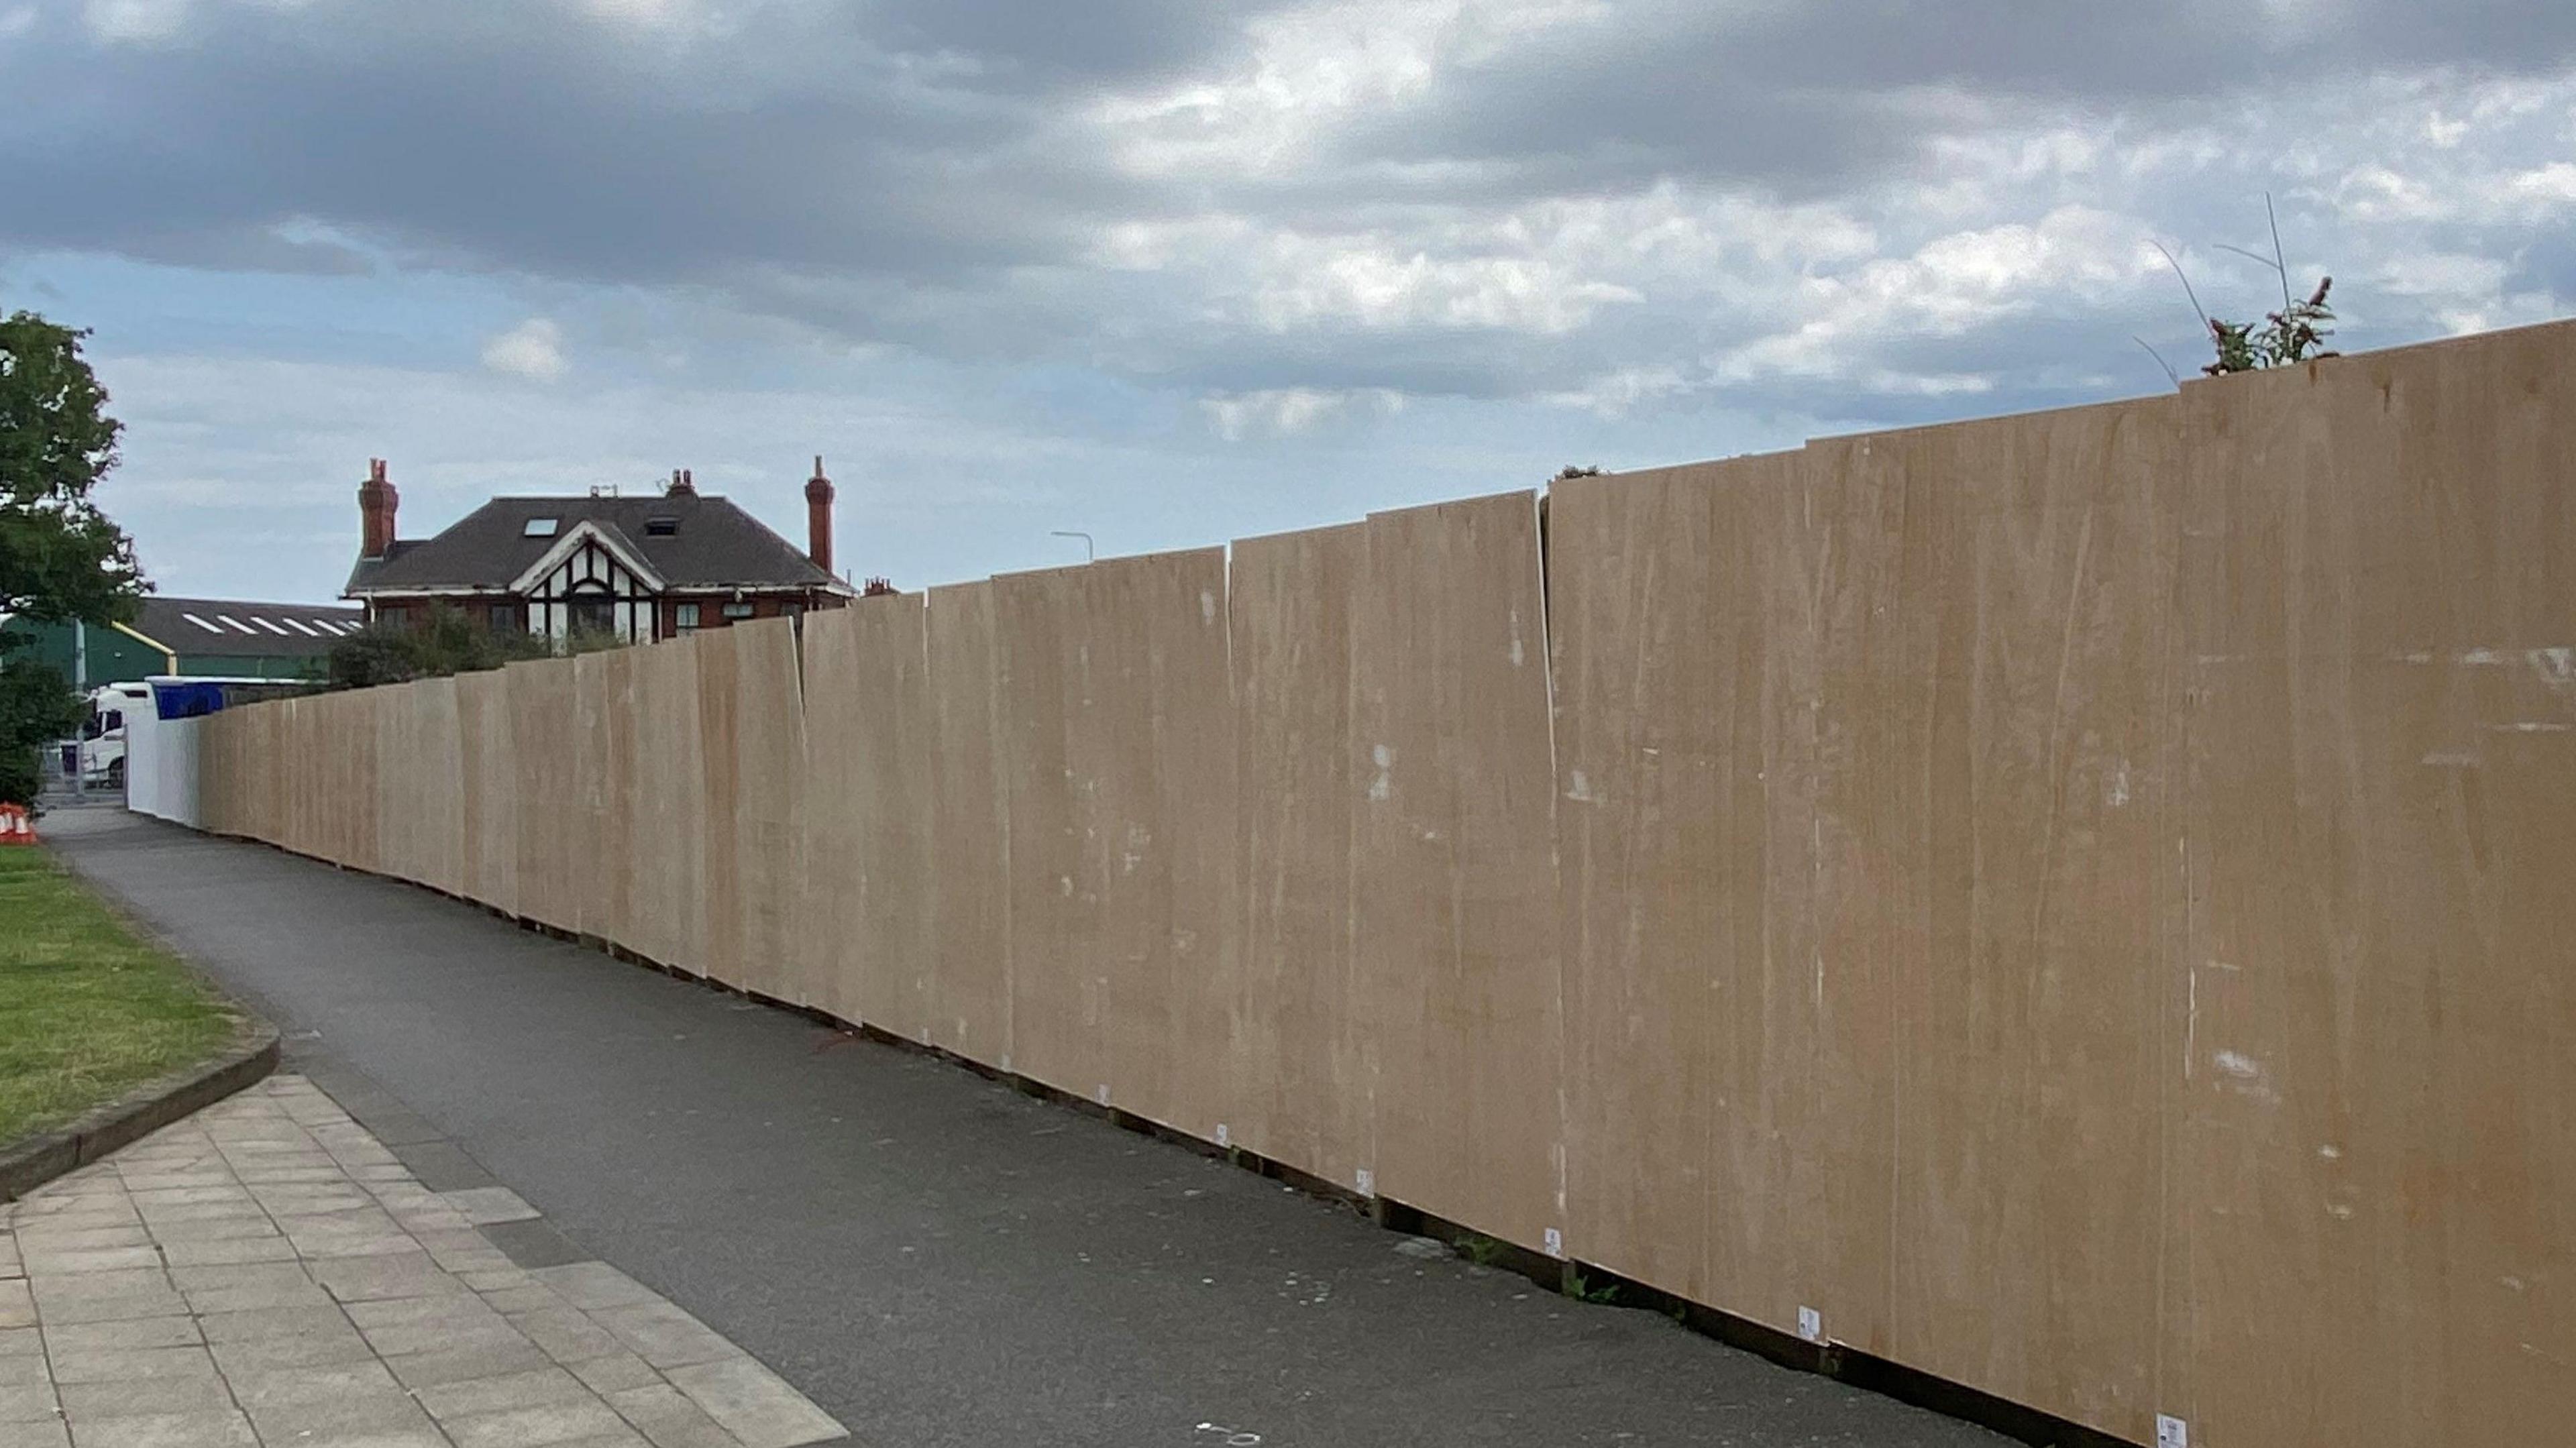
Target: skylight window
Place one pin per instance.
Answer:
(201, 623)
(300, 626)
(236, 624)
(272, 628)
(332, 629)
(541, 527)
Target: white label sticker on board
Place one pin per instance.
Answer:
(1006, 1060)
(1555, 1243)
(2172, 1432)
(1220, 1135)
(1368, 1182)
(1104, 1093)
(1811, 1324)
(925, 1035)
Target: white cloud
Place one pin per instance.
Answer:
(136, 20)
(648, 14)
(17, 22)
(1287, 411)
(533, 349)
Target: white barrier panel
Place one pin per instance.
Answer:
(161, 765)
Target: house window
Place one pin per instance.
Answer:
(393, 616)
(684, 616)
(592, 610)
(661, 527)
(737, 610)
(504, 617)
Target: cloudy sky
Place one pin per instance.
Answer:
(1173, 271)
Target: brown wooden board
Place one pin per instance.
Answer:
(669, 826)
(2029, 1001)
(970, 828)
(1159, 747)
(604, 852)
(442, 795)
(490, 813)
(1454, 863)
(828, 950)
(544, 745)
(380, 713)
(1682, 714)
(1305, 1043)
(719, 882)
(769, 715)
(889, 872)
(1059, 966)
(2378, 1183)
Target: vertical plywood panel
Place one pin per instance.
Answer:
(836, 826)
(442, 786)
(1059, 975)
(1685, 823)
(544, 750)
(719, 882)
(2380, 1152)
(888, 873)
(1455, 864)
(769, 739)
(1161, 780)
(604, 706)
(1304, 1039)
(2030, 1000)
(491, 810)
(970, 828)
(669, 829)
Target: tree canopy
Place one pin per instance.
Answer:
(60, 557)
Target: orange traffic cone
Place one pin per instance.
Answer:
(17, 827)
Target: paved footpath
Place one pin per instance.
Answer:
(266, 1274)
(932, 1258)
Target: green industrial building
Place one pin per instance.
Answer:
(209, 638)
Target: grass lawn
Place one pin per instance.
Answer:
(87, 1010)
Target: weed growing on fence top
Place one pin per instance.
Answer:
(87, 1010)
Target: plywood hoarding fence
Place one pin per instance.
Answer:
(2077, 903)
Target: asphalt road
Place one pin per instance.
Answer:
(934, 1258)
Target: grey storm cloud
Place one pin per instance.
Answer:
(951, 176)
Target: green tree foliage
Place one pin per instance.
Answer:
(37, 707)
(60, 557)
(446, 642)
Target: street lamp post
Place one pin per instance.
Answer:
(1088, 552)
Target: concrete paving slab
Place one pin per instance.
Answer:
(224, 1428)
(319, 1350)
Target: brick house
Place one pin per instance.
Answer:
(637, 568)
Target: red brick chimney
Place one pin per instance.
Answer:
(377, 501)
(818, 518)
(682, 485)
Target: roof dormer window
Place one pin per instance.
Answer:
(541, 527)
(664, 526)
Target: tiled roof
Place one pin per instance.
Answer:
(708, 543)
(229, 626)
